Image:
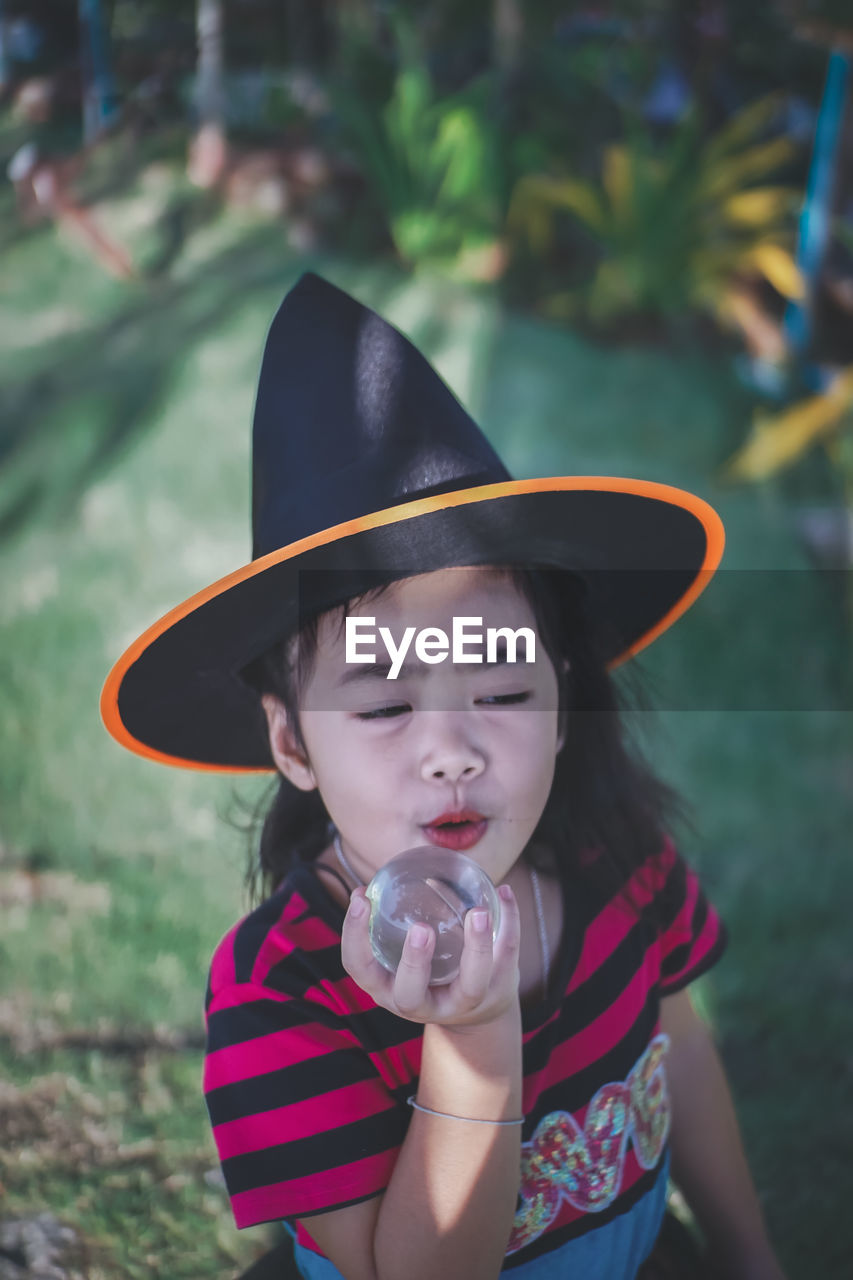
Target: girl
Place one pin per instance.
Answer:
(525, 1116)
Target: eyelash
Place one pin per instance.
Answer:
(392, 712)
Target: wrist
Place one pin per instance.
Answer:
(497, 1024)
(473, 1070)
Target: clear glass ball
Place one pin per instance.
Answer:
(428, 886)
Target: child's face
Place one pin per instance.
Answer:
(396, 759)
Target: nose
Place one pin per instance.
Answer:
(449, 752)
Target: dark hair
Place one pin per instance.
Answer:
(607, 811)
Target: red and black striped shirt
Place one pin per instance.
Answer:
(306, 1079)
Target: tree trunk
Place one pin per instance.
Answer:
(507, 34)
(210, 92)
(208, 153)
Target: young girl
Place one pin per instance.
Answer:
(526, 1115)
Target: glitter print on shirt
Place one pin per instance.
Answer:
(584, 1166)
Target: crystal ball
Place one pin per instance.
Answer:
(430, 886)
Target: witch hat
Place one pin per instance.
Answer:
(366, 468)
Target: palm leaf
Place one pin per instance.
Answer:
(743, 127)
(579, 198)
(776, 442)
(723, 177)
(374, 150)
(459, 151)
(616, 178)
(777, 266)
(405, 117)
(760, 206)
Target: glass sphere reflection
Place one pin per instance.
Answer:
(430, 886)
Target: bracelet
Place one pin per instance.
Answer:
(445, 1115)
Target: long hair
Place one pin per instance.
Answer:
(607, 812)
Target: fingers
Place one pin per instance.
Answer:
(476, 962)
(413, 972)
(356, 952)
(488, 973)
(403, 992)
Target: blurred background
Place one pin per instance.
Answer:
(624, 234)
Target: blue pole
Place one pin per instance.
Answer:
(101, 97)
(816, 213)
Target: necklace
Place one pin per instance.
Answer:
(540, 920)
(339, 853)
(534, 884)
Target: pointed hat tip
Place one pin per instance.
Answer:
(313, 288)
(309, 280)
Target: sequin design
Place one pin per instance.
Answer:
(584, 1166)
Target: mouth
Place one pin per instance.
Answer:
(459, 829)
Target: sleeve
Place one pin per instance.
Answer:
(691, 935)
(302, 1120)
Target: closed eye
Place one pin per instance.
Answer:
(504, 699)
(384, 713)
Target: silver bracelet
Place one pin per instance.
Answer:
(445, 1115)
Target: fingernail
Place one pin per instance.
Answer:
(358, 906)
(505, 892)
(419, 936)
(480, 920)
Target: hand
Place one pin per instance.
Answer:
(485, 987)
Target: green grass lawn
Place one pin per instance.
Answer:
(125, 487)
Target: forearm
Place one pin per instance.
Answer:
(708, 1160)
(449, 1207)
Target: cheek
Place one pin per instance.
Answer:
(348, 767)
(531, 756)
(540, 734)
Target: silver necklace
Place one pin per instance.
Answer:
(534, 884)
(540, 920)
(336, 842)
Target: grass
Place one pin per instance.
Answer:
(124, 488)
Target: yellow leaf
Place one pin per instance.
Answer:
(563, 193)
(760, 206)
(776, 442)
(729, 174)
(538, 224)
(531, 217)
(616, 176)
(777, 266)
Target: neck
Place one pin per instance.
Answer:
(344, 862)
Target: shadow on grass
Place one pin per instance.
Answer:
(183, 215)
(67, 423)
(107, 169)
(64, 425)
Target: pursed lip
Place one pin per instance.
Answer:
(456, 829)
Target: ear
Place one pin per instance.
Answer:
(289, 756)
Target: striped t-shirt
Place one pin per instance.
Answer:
(307, 1080)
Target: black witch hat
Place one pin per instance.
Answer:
(366, 468)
